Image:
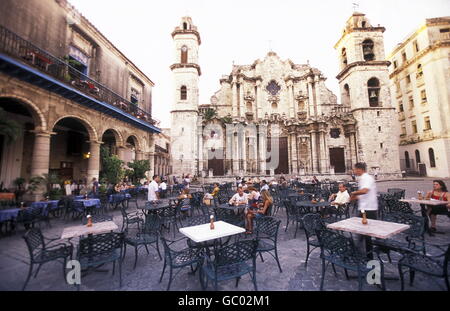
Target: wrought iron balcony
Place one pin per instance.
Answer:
(97, 96)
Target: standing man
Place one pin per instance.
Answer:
(94, 186)
(367, 198)
(153, 187)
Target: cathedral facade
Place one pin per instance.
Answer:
(276, 117)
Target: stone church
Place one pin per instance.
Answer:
(276, 117)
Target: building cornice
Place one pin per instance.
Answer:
(187, 32)
(418, 56)
(189, 65)
(362, 63)
(359, 29)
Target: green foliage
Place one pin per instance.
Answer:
(112, 167)
(55, 194)
(210, 113)
(19, 181)
(9, 128)
(35, 182)
(227, 120)
(137, 170)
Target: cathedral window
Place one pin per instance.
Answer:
(368, 50)
(407, 162)
(346, 98)
(432, 158)
(335, 133)
(185, 26)
(273, 88)
(344, 57)
(183, 93)
(184, 54)
(374, 92)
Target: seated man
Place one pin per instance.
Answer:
(340, 198)
(240, 198)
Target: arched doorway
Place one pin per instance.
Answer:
(18, 121)
(132, 145)
(111, 140)
(70, 150)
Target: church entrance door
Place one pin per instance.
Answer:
(217, 165)
(337, 159)
(283, 162)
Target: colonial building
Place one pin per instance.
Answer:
(277, 117)
(163, 163)
(71, 91)
(420, 75)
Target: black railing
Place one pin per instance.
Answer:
(13, 45)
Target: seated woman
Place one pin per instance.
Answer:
(439, 193)
(263, 209)
(253, 196)
(186, 197)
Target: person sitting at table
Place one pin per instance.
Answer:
(253, 196)
(261, 211)
(186, 197)
(340, 198)
(163, 189)
(439, 193)
(216, 189)
(264, 185)
(95, 186)
(240, 198)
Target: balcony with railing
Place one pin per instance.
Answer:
(26, 61)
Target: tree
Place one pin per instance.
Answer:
(210, 113)
(138, 168)
(112, 167)
(9, 128)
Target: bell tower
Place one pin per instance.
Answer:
(364, 84)
(184, 113)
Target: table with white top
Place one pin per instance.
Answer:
(84, 230)
(373, 229)
(203, 233)
(426, 202)
(423, 208)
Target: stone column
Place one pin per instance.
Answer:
(241, 99)
(318, 102)
(94, 161)
(121, 152)
(324, 167)
(41, 154)
(310, 98)
(139, 155)
(314, 152)
(200, 150)
(236, 154)
(262, 151)
(294, 153)
(244, 155)
(290, 88)
(259, 101)
(234, 99)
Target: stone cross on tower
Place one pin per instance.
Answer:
(355, 6)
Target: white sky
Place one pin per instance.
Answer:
(240, 31)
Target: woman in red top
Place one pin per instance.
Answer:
(440, 193)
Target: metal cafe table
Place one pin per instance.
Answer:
(203, 233)
(310, 205)
(423, 208)
(373, 229)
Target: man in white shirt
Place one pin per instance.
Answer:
(340, 198)
(240, 198)
(368, 202)
(367, 193)
(153, 188)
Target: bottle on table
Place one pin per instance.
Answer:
(211, 225)
(420, 195)
(89, 221)
(364, 217)
(22, 206)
